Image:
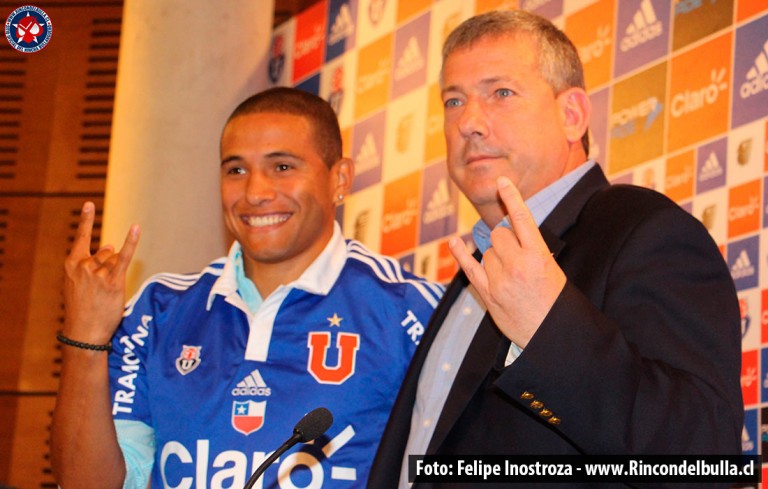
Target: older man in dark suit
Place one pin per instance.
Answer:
(601, 320)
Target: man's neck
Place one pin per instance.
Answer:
(267, 276)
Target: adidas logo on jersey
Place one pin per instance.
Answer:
(252, 385)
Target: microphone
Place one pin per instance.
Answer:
(311, 426)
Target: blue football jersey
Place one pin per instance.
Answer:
(223, 387)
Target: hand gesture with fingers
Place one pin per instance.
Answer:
(94, 285)
(519, 280)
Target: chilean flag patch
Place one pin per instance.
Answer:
(248, 416)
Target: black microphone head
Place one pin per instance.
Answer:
(313, 424)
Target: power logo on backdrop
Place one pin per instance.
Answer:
(28, 29)
(636, 120)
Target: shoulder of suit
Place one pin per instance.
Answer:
(623, 205)
(631, 198)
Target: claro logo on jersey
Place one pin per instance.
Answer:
(198, 465)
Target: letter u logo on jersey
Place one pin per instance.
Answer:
(347, 345)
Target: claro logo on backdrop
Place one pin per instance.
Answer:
(698, 96)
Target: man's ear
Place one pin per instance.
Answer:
(344, 171)
(576, 108)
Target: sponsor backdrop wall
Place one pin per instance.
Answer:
(680, 95)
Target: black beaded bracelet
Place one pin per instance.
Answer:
(84, 346)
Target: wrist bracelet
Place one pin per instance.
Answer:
(83, 346)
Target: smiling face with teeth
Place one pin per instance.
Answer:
(278, 195)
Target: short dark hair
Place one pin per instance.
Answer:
(319, 113)
(558, 58)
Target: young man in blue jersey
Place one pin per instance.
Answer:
(209, 373)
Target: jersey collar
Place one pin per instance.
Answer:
(318, 278)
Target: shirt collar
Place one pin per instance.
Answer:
(318, 278)
(540, 204)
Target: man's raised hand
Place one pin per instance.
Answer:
(94, 284)
(519, 280)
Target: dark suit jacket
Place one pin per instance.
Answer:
(640, 353)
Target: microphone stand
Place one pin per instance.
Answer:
(294, 439)
(312, 425)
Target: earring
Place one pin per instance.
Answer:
(341, 197)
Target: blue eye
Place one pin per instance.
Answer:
(451, 102)
(504, 92)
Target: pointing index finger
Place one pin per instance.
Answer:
(520, 217)
(81, 247)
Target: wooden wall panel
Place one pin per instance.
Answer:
(18, 227)
(55, 123)
(30, 459)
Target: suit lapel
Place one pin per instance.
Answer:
(567, 211)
